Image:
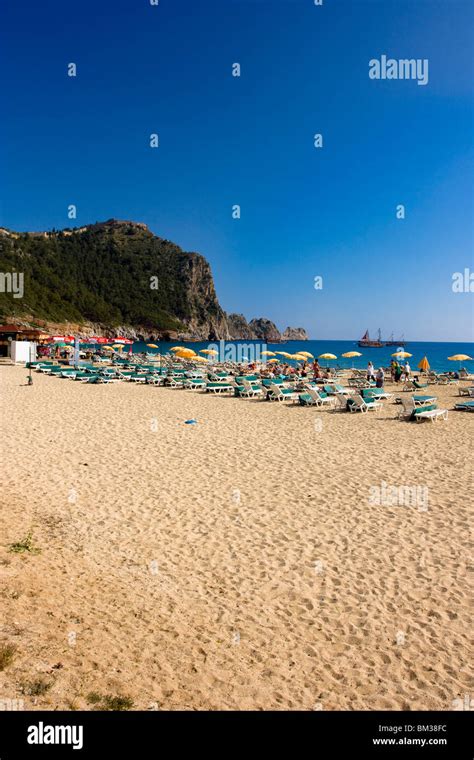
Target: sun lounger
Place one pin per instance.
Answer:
(249, 389)
(217, 377)
(278, 393)
(359, 383)
(335, 388)
(356, 403)
(341, 402)
(219, 387)
(464, 406)
(81, 375)
(313, 397)
(375, 393)
(415, 401)
(447, 380)
(195, 383)
(413, 385)
(421, 408)
(430, 414)
(466, 391)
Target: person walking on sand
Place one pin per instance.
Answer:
(380, 378)
(370, 372)
(407, 370)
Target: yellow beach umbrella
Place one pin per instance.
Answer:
(424, 364)
(210, 351)
(199, 359)
(299, 357)
(351, 354)
(327, 356)
(107, 348)
(178, 348)
(283, 353)
(271, 361)
(152, 345)
(307, 354)
(460, 358)
(268, 353)
(185, 353)
(401, 354)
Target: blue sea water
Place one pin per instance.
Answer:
(437, 353)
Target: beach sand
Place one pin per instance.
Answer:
(234, 564)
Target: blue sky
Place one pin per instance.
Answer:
(305, 212)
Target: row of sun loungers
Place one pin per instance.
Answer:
(362, 397)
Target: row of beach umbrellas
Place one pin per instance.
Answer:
(188, 353)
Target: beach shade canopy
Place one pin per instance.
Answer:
(178, 348)
(210, 351)
(118, 347)
(199, 359)
(424, 364)
(327, 356)
(307, 354)
(152, 345)
(63, 338)
(283, 353)
(351, 354)
(107, 348)
(271, 361)
(401, 354)
(460, 358)
(299, 357)
(268, 353)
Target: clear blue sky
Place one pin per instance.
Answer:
(249, 141)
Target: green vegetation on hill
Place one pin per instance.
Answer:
(102, 274)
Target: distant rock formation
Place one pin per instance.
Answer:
(238, 327)
(294, 333)
(265, 330)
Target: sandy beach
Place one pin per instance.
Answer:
(235, 564)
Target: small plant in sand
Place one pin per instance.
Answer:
(109, 702)
(117, 703)
(7, 653)
(25, 545)
(93, 698)
(37, 688)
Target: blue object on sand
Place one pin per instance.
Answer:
(190, 422)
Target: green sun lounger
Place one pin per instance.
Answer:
(465, 406)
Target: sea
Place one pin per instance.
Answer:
(243, 350)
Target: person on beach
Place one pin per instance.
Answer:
(407, 370)
(397, 373)
(380, 378)
(370, 372)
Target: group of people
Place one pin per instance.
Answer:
(377, 377)
(397, 373)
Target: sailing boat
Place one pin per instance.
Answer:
(400, 342)
(366, 342)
